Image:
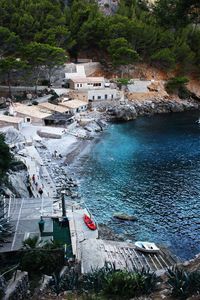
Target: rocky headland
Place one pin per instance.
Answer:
(130, 110)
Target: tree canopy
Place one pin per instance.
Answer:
(165, 34)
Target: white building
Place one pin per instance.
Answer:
(11, 121)
(54, 108)
(103, 94)
(75, 71)
(86, 83)
(75, 106)
(31, 114)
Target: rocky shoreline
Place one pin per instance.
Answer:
(133, 109)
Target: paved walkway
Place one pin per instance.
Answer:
(25, 214)
(79, 231)
(37, 167)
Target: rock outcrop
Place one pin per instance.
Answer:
(123, 112)
(17, 183)
(132, 109)
(124, 217)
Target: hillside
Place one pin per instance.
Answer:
(164, 36)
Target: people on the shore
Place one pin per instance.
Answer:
(36, 185)
(33, 178)
(55, 154)
(40, 191)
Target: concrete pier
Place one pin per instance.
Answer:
(93, 252)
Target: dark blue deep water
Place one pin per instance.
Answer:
(149, 168)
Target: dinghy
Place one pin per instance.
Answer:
(88, 221)
(146, 247)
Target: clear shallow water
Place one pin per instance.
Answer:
(149, 168)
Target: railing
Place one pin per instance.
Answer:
(8, 271)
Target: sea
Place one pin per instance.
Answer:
(148, 168)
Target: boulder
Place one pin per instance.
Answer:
(123, 112)
(124, 217)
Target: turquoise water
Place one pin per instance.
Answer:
(149, 168)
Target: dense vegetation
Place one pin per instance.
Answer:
(41, 33)
(106, 283)
(5, 160)
(184, 284)
(5, 157)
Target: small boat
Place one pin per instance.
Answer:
(88, 221)
(146, 247)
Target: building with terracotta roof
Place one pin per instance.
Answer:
(54, 107)
(75, 106)
(85, 83)
(11, 121)
(31, 114)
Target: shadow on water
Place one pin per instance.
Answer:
(150, 168)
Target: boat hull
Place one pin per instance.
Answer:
(146, 247)
(89, 222)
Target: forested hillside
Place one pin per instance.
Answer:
(43, 32)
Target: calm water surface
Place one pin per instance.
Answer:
(149, 168)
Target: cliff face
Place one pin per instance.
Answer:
(17, 181)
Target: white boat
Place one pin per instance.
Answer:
(146, 247)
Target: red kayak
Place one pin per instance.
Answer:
(88, 221)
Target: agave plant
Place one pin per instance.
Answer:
(95, 280)
(183, 284)
(52, 245)
(150, 280)
(56, 284)
(124, 284)
(31, 242)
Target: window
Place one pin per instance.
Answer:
(92, 97)
(81, 85)
(112, 96)
(77, 84)
(28, 120)
(106, 96)
(99, 97)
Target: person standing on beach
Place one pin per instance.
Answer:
(33, 178)
(40, 191)
(36, 185)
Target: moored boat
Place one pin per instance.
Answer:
(146, 247)
(89, 222)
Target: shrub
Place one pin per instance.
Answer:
(5, 157)
(53, 97)
(107, 282)
(42, 261)
(96, 280)
(124, 284)
(164, 59)
(31, 242)
(45, 82)
(184, 284)
(177, 85)
(123, 81)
